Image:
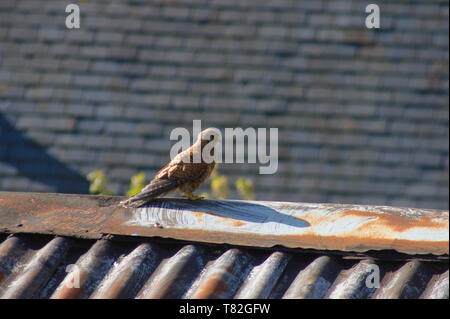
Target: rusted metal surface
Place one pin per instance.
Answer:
(409, 280)
(314, 280)
(61, 214)
(10, 251)
(45, 267)
(352, 283)
(174, 274)
(437, 287)
(72, 246)
(38, 271)
(353, 228)
(221, 278)
(263, 277)
(127, 276)
(87, 272)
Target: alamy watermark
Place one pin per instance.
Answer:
(73, 280)
(73, 19)
(261, 146)
(373, 278)
(373, 19)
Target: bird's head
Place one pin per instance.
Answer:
(210, 135)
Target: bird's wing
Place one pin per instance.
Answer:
(174, 174)
(159, 185)
(186, 172)
(183, 169)
(177, 160)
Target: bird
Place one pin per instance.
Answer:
(185, 172)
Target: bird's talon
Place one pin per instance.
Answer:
(194, 197)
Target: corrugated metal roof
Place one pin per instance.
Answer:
(78, 255)
(37, 266)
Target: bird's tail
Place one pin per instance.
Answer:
(154, 189)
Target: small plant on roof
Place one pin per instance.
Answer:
(98, 183)
(245, 188)
(220, 189)
(137, 183)
(219, 186)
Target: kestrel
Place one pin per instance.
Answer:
(186, 172)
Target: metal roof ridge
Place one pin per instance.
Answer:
(342, 227)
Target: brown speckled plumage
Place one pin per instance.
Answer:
(180, 173)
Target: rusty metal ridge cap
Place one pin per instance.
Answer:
(343, 227)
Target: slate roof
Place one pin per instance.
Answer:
(362, 114)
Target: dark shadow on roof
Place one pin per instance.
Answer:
(33, 162)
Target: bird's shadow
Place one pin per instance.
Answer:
(238, 210)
